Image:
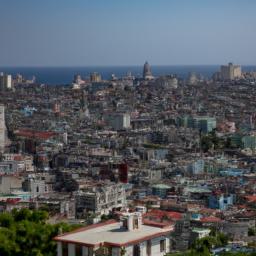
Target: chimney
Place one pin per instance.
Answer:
(132, 221)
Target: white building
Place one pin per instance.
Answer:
(101, 200)
(112, 238)
(39, 184)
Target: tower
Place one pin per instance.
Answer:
(147, 74)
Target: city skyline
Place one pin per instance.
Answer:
(91, 33)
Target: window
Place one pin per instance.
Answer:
(136, 250)
(125, 223)
(90, 251)
(79, 250)
(103, 251)
(162, 246)
(64, 249)
(149, 247)
(135, 223)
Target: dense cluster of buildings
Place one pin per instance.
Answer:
(164, 160)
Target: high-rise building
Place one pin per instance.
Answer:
(203, 123)
(2, 128)
(230, 72)
(95, 77)
(5, 81)
(147, 74)
(119, 121)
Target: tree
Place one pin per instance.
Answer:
(251, 232)
(26, 233)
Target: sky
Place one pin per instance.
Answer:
(127, 32)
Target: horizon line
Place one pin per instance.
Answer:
(116, 66)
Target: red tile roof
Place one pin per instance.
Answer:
(35, 134)
(155, 213)
(210, 219)
(251, 199)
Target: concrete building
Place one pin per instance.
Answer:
(5, 81)
(249, 142)
(203, 123)
(196, 167)
(199, 233)
(39, 184)
(9, 183)
(2, 129)
(230, 72)
(220, 201)
(95, 77)
(170, 82)
(119, 121)
(160, 190)
(181, 235)
(147, 73)
(101, 200)
(113, 238)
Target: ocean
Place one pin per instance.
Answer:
(64, 75)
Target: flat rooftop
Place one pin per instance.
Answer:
(111, 233)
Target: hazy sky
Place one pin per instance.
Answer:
(126, 32)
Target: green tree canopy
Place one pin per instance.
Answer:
(27, 233)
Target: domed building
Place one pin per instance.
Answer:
(147, 74)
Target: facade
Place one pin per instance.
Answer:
(147, 74)
(230, 72)
(160, 190)
(5, 81)
(203, 123)
(2, 128)
(197, 167)
(39, 184)
(221, 201)
(181, 235)
(95, 77)
(123, 173)
(249, 142)
(192, 79)
(101, 200)
(9, 183)
(113, 238)
(170, 82)
(119, 121)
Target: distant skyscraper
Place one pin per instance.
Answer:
(5, 81)
(95, 77)
(147, 74)
(2, 129)
(230, 72)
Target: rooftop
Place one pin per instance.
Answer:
(111, 233)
